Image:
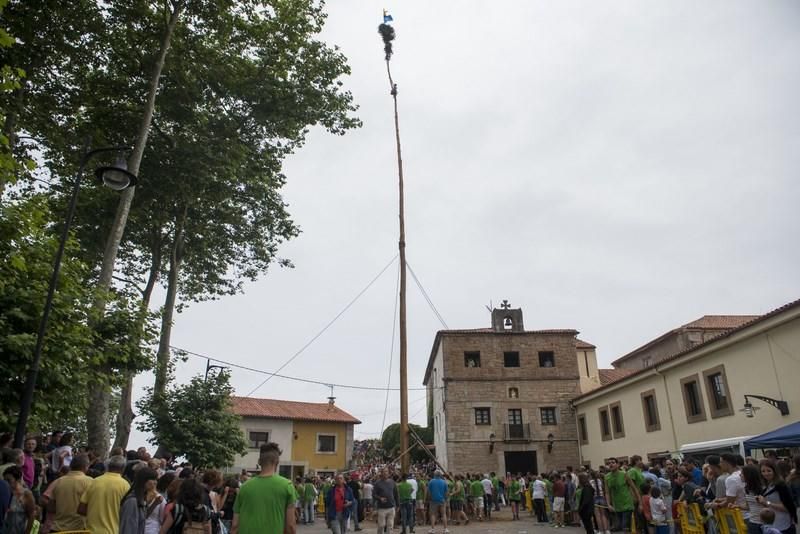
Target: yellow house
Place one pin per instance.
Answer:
(313, 437)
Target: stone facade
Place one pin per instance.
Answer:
(526, 380)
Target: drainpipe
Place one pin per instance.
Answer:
(669, 408)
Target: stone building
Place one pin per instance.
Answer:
(679, 339)
(499, 397)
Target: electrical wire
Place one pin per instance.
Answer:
(296, 379)
(427, 297)
(313, 339)
(391, 348)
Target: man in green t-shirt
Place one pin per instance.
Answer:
(265, 503)
(476, 490)
(622, 494)
(404, 491)
(309, 494)
(457, 501)
(514, 497)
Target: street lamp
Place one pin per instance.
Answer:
(116, 177)
(749, 409)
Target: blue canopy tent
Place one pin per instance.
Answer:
(781, 438)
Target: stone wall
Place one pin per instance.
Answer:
(490, 386)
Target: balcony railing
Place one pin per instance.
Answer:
(517, 432)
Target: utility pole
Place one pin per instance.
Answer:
(387, 34)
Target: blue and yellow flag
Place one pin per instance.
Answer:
(387, 17)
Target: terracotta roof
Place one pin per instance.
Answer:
(581, 344)
(706, 322)
(715, 339)
(296, 411)
(607, 376)
(721, 322)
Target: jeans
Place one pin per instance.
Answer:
(308, 512)
(541, 514)
(339, 525)
(487, 505)
(407, 515)
(354, 514)
(624, 520)
(385, 520)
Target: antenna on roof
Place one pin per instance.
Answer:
(331, 399)
(490, 307)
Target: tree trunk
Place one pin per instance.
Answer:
(125, 415)
(97, 414)
(163, 355)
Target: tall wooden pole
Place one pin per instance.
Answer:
(404, 459)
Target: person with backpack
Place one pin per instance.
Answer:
(190, 515)
(133, 509)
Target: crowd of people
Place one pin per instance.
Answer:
(50, 486)
(627, 495)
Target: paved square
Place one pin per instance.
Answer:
(500, 523)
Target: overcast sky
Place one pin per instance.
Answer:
(619, 168)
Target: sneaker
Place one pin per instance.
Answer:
(446, 531)
(431, 531)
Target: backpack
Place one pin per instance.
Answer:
(183, 523)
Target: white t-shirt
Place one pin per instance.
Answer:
(414, 488)
(487, 486)
(734, 487)
(658, 510)
(367, 491)
(539, 489)
(152, 523)
(57, 461)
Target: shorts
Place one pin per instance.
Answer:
(437, 508)
(456, 506)
(478, 502)
(600, 502)
(558, 504)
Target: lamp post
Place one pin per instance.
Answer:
(116, 177)
(749, 410)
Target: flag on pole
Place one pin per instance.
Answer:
(387, 17)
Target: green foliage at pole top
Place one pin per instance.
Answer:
(200, 425)
(390, 440)
(27, 247)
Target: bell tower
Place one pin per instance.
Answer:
(506, 319)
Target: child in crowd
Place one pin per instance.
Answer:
(658, 512)
(767, 519)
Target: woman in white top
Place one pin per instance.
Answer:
(62, 455)
(777, 497)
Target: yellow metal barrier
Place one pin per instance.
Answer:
(690, 518)
(730, 521)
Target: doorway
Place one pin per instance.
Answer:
(521, 462)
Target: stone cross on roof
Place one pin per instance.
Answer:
(505, 305)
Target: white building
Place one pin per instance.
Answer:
(698, 395)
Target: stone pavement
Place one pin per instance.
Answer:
(500, 523)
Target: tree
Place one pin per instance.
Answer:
(28, 241)
(390, 440)
(200, 424)
(238, 92)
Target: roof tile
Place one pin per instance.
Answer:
(294, 410)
